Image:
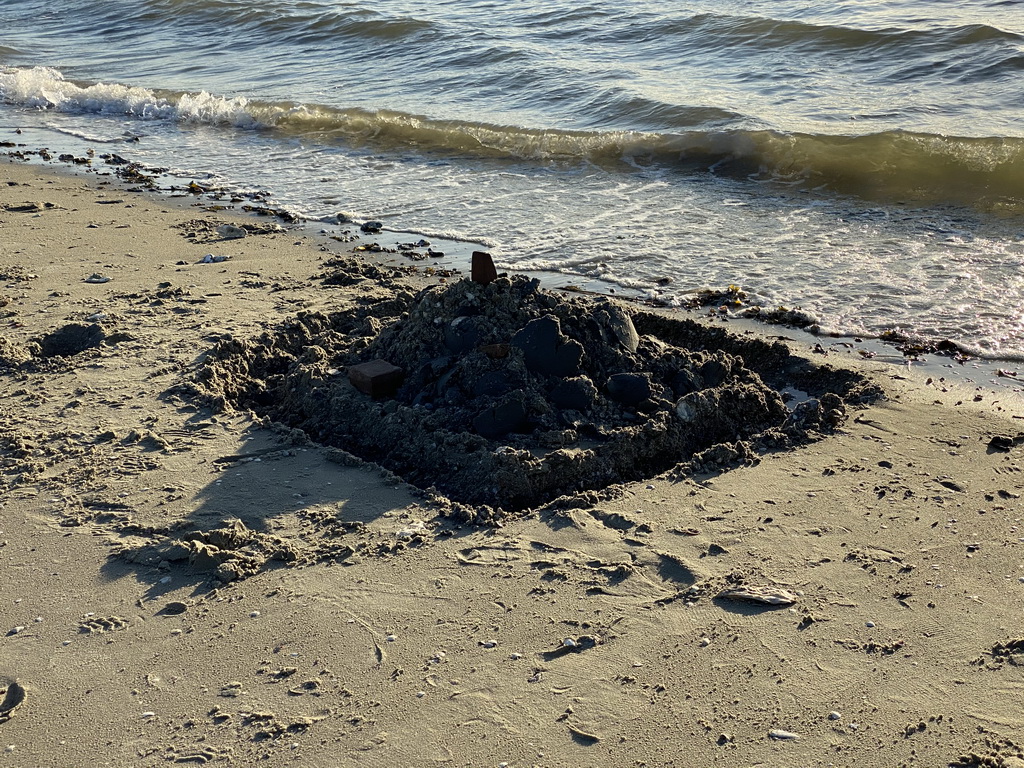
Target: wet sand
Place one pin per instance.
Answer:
(199, 585)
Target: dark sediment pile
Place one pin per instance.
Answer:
(71, 339)
(509, 396)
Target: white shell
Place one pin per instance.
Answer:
(766, 595)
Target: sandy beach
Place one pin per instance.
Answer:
(188, 581)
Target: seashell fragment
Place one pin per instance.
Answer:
(765, 595)
(780, 735)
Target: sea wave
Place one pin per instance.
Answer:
(891, 165)
(312, 22)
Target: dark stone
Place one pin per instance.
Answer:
(577, 394)
(713, 372)
(377, 378)
(629, 388)
(683, 383)
(493, 383)
(372, 227)
(70, 340)
(546, 350)
(619, 327)
(482, 269)
(497, 421)
(445, 381)
(495, 351)
(1001, 443)
(439, 365)
(461, 335)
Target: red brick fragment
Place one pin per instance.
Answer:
(377, 378)
(495, 351)
(483, 270)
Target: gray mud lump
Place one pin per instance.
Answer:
(511, 395)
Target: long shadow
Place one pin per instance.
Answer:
(274, 502)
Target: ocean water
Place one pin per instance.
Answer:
(863, 161)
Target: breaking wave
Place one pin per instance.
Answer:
(891, 165)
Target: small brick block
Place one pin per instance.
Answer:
(377, 378)
(482, 270)
(495, 351)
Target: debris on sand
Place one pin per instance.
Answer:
(763, 595)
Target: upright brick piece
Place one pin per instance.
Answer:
(483, 270)
(377, 378)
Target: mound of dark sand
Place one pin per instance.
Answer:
(510, 395)
(71, 339)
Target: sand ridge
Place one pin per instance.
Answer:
(192, 585)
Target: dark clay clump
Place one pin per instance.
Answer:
(508, 395)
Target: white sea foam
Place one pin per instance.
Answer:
(47, 88)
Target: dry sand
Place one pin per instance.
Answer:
(347, 621)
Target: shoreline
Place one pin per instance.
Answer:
(964, 365)
(364, 625)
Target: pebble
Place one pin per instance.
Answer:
(833, 715)
(16, 630)
(705, 642)
(515, 656)
(391, 638)
(254, 614)
(869, 624)
(230, 231)
(780, 735)
(489, 643)
(148, 714)
(569, 642)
